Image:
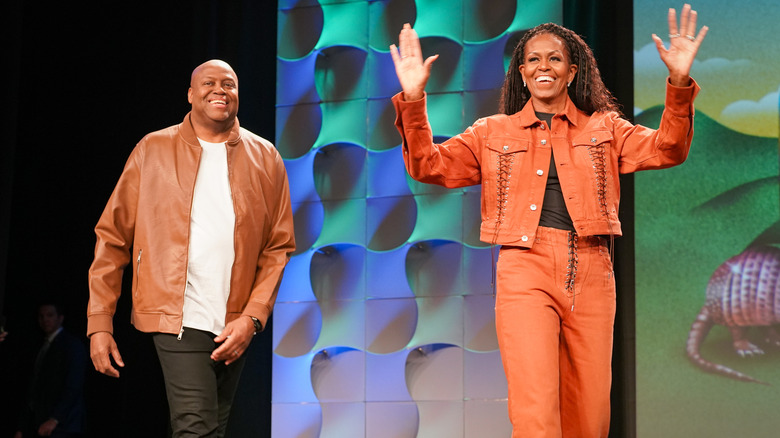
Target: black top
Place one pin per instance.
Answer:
(554, 213)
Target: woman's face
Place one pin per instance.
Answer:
(546, 70)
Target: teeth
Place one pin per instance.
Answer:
(218, 101)
(544, 79)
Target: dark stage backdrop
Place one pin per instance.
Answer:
(85, 81)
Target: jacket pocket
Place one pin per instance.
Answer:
(593, 150)
(502, 157)
(593, 156)
(593, 138)
(501, 145)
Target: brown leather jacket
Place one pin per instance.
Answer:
(510, 156)
(149, 212)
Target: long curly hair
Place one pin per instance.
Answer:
(587, 92)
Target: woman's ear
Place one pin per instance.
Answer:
(572, 72)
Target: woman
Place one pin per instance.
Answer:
(549, 167)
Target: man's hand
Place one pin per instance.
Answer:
(235, 340)
(102, 348)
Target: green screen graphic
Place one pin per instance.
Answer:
(723, 202)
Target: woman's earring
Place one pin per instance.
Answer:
(569, 84)
(524, 84)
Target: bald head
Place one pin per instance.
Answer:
(212, 63)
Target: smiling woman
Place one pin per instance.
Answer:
(588, 94)
(547, 71)
(549, 168)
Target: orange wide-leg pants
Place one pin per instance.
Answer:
(555, 312)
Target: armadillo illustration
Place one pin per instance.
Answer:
(743, 292)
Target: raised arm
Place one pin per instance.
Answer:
(412, 71)
(683, 45)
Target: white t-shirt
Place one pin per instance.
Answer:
(211, 251)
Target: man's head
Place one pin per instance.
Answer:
(50, 317)
(213, 94)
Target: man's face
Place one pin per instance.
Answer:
(213, 93)
(48, 319)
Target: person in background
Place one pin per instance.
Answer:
(202, 210)
(549, 166)
(54, 406)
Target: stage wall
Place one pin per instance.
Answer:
(384, 325)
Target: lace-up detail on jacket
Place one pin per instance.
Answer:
(504, 173)
(599, 160)
(503, 142)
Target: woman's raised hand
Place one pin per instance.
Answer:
(412, 71)
(683, 45)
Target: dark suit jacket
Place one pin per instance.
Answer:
(58, 390)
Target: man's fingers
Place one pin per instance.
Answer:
(117, 357)
(104, 366)
(101, 349)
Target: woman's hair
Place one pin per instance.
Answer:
(587, 91)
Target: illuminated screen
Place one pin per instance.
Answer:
(384, 324)
(707, 232)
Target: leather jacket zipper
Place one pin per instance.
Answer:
(138, 269)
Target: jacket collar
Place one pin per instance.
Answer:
(187, 132)
(527, 116)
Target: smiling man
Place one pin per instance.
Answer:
(202, 210)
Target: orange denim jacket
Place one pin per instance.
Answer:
(510, 156)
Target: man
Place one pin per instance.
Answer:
(55, 400)
(204, 206)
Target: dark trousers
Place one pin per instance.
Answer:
(200, 391)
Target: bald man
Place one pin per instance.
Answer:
(202, 210)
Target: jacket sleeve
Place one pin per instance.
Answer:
(280, 244)
(454, 163)
(114, 237)
(642, 148)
